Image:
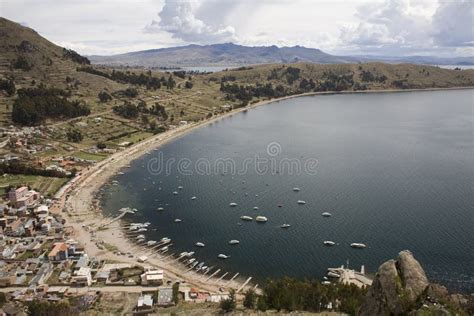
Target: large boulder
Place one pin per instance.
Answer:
(396, 288)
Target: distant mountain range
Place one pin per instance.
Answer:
(229, 54)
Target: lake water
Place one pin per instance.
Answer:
(396, 171)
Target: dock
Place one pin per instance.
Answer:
(228, 282)
(350, 276)
(123, 212)
(218, 280)
(215, 272)
(245, 283)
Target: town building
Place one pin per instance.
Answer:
(59, 252)
(152, 277)
(23, 197)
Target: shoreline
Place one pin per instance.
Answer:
(78, 196)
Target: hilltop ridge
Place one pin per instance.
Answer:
(230, 54)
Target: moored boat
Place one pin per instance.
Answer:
(326, 214)
(301, 202)
(234, 242)
(358, 245)
(222, 256)
(329, 243)
(261, 219)
(200, 244)
(246, 218)
(285, 226)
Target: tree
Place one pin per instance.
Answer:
(74, 135)
(188, 85)
(34, 105)
(250, 299)
(229, 303)
(104, 97)
(261, 304)
(175, 292)
(8, 86)
(3, 298)
(170, 83)
(38, 308)
(101, 145)
(22, 63)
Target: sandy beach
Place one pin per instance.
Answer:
(78, 198)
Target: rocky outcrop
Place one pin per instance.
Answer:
(397, 287)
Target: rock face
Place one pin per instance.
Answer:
(396, 288)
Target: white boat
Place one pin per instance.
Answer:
(200, 265)
(191, 260)
(177, 220)
(141, 230)
(296, 189)
(301, 202)
(261, 219)
(200, 244)
(160, 209)
(146, 224)
(151, 242)
(141, 237)
(329, 243)
(165, 248)
(190, 253)
(358, 245)
(165, 239)
(255, 208)
(121, 173)
(183, 254)
(325, 283)
(234, 242)
(193, 198)
(285, 226)
(180, 187)
(233, 204)
(326, 214)
(334, 274)
(246, 218)
(175, 192)
(222, 256)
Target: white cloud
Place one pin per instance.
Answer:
(404, 27)
(453, 24)
(179, 17)
(393, 24)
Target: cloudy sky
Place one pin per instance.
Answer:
(378, 27)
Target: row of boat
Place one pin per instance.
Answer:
(353, 245)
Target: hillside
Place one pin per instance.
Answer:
(30, 60)
(229, 54)
(220, 55)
